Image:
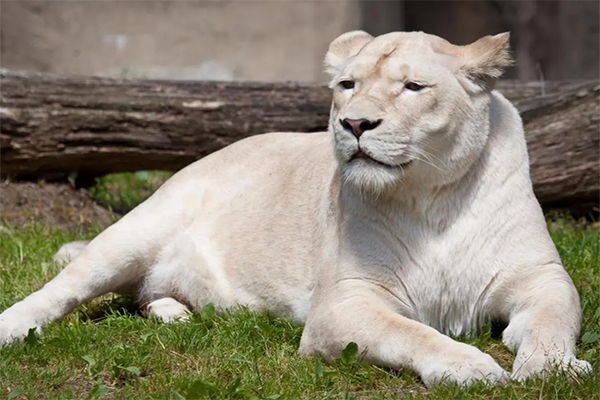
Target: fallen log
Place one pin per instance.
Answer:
(52, 125)
(55, 125)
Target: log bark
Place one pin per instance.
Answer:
(54, 125)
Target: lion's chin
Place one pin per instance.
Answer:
(369, 177)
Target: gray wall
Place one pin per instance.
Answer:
(278, 39)
(222, 40)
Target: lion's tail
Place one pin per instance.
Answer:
(70, 251)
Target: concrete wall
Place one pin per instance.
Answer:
(218, 39)
(278, 39)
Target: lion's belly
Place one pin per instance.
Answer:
(234, 273)
(264, 265)
(257, 215)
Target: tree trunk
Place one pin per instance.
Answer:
(55, 125)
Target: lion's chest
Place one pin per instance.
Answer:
(442, 278)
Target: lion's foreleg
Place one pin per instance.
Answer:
(113, 262)
(388, 339)
(544, 320)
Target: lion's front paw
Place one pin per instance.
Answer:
(13, 329)
(541, 365)
(463, 366)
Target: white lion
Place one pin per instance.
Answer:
(411, 219)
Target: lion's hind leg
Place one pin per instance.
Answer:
(115, 261)
(179, 278)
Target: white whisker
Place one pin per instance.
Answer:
(427, 160)
(423, 151)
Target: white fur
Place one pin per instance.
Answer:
(168, 310)
(392, 258)
(69, 251)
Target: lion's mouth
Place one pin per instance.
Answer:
(361, 155)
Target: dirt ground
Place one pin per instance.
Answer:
(55, 205)
(61, 206)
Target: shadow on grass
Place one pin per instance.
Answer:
(108, 305)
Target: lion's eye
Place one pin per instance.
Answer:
(347, 84)
(414, 87)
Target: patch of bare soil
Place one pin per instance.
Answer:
(55, 205)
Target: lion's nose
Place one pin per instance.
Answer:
(359, 126)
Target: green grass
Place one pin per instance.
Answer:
(122, 192)
(106, 349)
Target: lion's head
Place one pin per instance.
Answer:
(410, 107)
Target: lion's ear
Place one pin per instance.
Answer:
(485, 60)
(344, 47)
